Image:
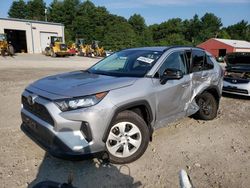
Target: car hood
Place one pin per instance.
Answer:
(77, 83)
(236, 59)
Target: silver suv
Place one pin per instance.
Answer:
(115, 105)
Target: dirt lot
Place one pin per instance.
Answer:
(215, 153)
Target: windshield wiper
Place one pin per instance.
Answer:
(101, 73)
(87, 71)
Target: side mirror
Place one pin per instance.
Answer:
(171, 74)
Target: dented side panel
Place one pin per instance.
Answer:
(202, 81)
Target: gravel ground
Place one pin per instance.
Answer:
(214, 153)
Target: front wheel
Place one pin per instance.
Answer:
(2, 52)
(11, 50)
(52, 53)
(128, 138)
(208, 106)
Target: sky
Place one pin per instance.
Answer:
(157, 11)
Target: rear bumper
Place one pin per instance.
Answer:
(51, 142)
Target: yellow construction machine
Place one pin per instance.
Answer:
(83, 49)
(92, 50)
(98, 52)
(5, 47)
(57, 47)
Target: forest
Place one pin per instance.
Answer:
(91, 22)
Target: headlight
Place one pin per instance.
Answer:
(81, 102)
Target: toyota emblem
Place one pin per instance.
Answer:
(234, 81)
(31, 99)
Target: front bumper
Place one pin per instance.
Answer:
(236, 88)
(50, 142)
(69, 134)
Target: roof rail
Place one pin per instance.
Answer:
(181, 46)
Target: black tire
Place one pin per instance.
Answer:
(11, 50)
(80, 53)
(208, 106)
(47, 51)
(131, 117)
(52, 53)
(3, 53)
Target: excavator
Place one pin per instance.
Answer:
(56, 47)
(5, 47)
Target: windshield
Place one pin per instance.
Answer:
(131, 63)
(2, 37)
(56, 39)
(238, 58)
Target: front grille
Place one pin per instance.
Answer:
(38, 110)
(236, 90)
(236, 81)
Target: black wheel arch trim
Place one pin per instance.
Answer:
(129, 106)
(208, 89)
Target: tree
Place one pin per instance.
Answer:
(56, 12)
(210, 27)
(138, 23)
(173, 39)
(169, 32)
(83, 19)
(18, 9)
(223, 34)
(90, 22)
(64, 12)
(36, 10)
(192, 29)
(119, 35)
(143, 34)
(239, 31)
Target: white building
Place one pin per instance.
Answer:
(29, 35)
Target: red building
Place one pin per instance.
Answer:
(220, 47)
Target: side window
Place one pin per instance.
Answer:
(208, 64)
(198, 58)
(176, 60)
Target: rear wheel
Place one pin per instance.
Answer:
(128, 138)
(208, 106)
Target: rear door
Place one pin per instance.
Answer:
(197, 67)
(201, 70)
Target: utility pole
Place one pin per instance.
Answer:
(45, 11)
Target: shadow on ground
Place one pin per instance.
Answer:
(227, 95)
(87, 173)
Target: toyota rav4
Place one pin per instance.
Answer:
(115, 105)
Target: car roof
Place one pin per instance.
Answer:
(162, 48)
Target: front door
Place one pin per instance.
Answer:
(173, 96)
